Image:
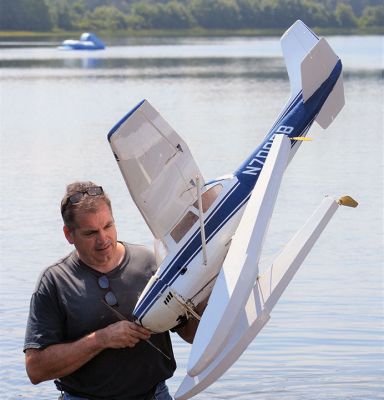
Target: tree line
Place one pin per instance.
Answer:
(115, 15)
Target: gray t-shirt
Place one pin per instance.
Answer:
(67, 305)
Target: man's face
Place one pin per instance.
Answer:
(95, 237)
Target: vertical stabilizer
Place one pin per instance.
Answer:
(296, 42)
(316, 67)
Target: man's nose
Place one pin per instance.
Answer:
(101, 236)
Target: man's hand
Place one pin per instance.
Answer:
(122, 334)
(62, 359)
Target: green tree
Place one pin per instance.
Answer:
(315, 13)
(250, 13)
(358, 6)
(43, 15)
(30, 15)
(345, 16)
(173, 15)
(216, 14)
(373, 17)
(106, 17)
(145, 14)
(10, 17)
(170, 15)
(134, 21)
(281, 14)
(63, 17)
(67, 15)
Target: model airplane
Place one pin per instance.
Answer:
(209, 236)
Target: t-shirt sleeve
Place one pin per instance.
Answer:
(45, 324)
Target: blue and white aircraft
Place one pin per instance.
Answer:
(209, 236)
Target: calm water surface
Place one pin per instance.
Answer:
(325, 337)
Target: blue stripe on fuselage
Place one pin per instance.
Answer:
(299, 116)
(294, 122)
(229, 205)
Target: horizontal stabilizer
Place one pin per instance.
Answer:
(157, 166)
(316, 67)
(333, 105)
(240, 268)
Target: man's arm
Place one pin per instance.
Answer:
(62, 359)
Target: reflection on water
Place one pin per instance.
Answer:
(324, 340)
(122, 68)
(143, 68)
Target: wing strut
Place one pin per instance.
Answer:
(201, 218)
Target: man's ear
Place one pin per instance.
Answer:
(68, 234)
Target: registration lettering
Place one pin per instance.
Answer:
(256, 164)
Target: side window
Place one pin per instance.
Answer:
(208, 197)
(184, 226)
(190, 218)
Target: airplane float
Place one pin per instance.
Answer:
(209, 235)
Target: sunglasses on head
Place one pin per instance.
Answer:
(78, 196)
(109, 297)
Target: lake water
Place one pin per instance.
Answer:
(325, 337)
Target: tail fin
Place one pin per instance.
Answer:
(296, 43)
(309, 62)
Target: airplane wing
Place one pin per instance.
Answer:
(157, 166)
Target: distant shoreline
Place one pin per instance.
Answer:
(186, 33)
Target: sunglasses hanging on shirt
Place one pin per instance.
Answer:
(109, 297)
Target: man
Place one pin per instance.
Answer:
(80, 330)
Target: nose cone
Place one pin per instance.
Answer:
(165, 313)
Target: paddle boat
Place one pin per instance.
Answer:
(88, 41)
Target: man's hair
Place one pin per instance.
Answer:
(86, 203)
